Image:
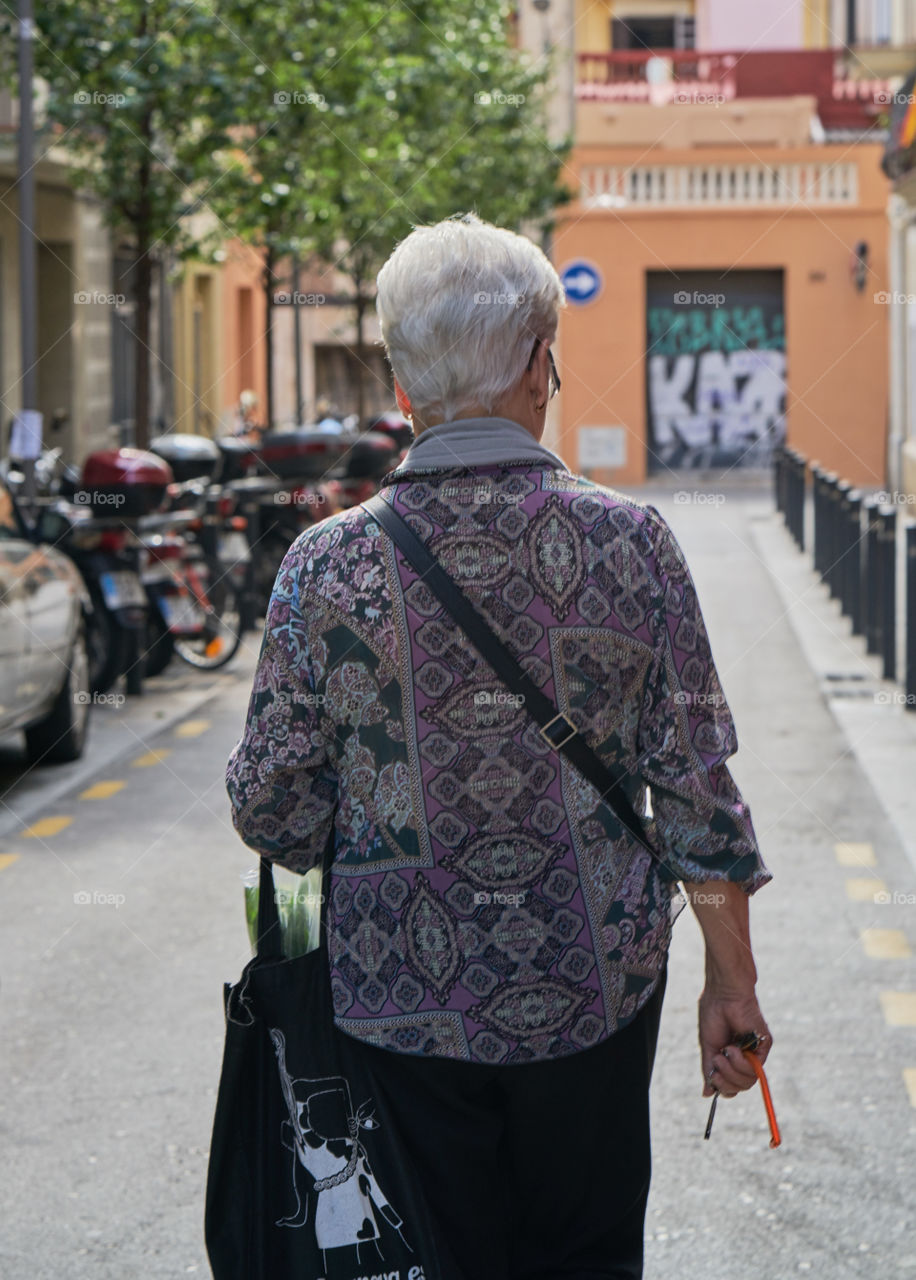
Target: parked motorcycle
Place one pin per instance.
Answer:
(195, 570)
(204, 514)
(92, 519)
(276, 487)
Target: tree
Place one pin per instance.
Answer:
(139, 99)
(382, 116)
(290, 67)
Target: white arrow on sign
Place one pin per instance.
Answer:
(580, 283)
(581, 280)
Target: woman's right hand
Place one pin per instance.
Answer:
(725, 1016)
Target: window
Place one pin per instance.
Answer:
(637, 32)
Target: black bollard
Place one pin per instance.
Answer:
(797, 515)
(817, 503)
(888, 542)
(831, 526)
(871, 585)
(854, 561)
(777, 476)
(844, 490)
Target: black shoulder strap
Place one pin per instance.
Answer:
(556, 728)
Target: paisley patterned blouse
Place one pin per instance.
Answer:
(484, 904)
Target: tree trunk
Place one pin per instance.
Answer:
(269, 336)
(297, 340)
(143, 277)
(143, 272)
(360, 362)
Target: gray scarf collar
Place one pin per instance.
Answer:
(475, 442)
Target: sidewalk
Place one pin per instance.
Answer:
(878, 728)
(826, 774)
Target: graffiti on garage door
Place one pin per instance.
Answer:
(715, 368)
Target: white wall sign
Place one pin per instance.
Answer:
(602, 447)
(25, 441)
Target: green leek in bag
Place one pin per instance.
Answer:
(298, 906)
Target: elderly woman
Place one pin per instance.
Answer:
(497, 937)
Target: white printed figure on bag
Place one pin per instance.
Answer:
(323, 1134)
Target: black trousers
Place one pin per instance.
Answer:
(538, 1171)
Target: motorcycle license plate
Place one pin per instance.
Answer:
(182, 617)
(233, 548)
(121, 589)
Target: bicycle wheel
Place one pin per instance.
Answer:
(219, 641)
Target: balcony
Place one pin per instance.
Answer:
(684, 76)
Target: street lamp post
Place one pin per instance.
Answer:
(26, 442)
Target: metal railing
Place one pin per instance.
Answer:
(854, 549)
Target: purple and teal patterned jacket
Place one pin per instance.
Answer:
(484, 903)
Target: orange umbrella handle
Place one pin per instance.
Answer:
(755, 1062)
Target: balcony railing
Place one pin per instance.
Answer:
(694, 76)
(656, 186)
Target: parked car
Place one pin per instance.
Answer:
(44, 666)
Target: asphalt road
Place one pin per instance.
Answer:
(121, 915)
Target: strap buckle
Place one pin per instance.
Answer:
(565, 720)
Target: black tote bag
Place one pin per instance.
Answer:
(307, 1179)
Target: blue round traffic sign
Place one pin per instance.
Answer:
(581, 280)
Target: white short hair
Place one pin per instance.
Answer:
(460, 305)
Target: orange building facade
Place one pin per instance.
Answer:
(738, 302)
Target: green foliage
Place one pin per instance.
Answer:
(321, 128)
(367, 118)
(139, 102)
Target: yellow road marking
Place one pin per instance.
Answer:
(7, 859)
(151, 757)
(192, 728)
(899, 1008)
(909, 1079)
(885, 944)
(865, 889)
(855, 855)
(48, 826)
(102, 790)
